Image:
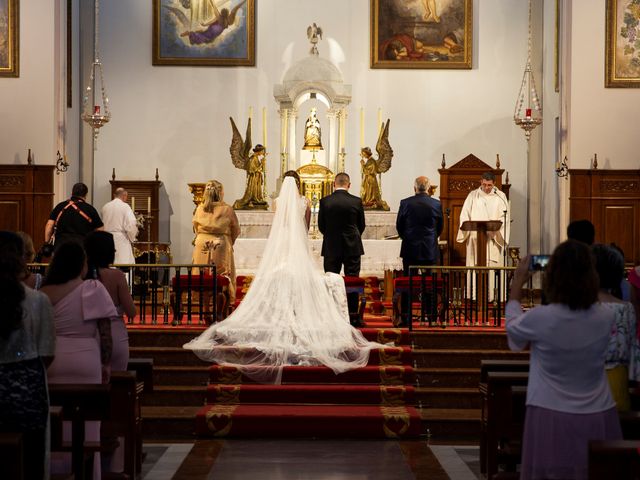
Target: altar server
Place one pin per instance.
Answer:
(120, 221)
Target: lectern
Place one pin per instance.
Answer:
(481, 227)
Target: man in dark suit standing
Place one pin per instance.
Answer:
(341, 221)
(419, 224)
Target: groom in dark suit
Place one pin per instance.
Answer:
(341, 221)
(419, 224)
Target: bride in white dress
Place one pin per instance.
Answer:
(293, 314)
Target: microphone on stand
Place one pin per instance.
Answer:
(504, 214)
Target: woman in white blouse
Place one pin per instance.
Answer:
(568, 397)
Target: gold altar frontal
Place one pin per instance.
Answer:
(316, 181)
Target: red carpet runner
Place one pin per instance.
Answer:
(371, 402)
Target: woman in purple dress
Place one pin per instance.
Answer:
(82, 314)
(568, 397)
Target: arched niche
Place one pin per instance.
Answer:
(312, 78)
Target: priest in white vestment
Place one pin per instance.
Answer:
(120, 221)
(486, 203)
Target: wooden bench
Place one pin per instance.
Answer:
(125, 417)
(143, 368)
(80, 403)
(614, 459)
(12, 455)
(502, 419)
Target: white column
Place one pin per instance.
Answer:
(332, 158)
(293, 153)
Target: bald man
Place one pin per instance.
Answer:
(419, 224)
(120, 221)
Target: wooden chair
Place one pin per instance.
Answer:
(619, 459)
(80, 403)
(143, 368)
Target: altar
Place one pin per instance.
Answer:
(380, 254)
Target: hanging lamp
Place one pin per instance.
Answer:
(95, 110)
(528, 112)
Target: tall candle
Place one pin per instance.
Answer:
(149, 205)
(380, 118)
(361, 127)
(264, 127)
(285, 126)
(133, 204)
(341, 126)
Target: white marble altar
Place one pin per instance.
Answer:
(256, 224)
(379, 255)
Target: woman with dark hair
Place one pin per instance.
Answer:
(82, 315)
(307, 212)
(101, 251)
(569, 401)
(216, 227)
(623, 354)
(27, 344)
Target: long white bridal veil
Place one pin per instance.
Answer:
(289, 315)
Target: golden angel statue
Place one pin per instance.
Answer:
(254, 163)
(370, 190)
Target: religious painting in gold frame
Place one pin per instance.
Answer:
(198, 33)
(622, 53)
(422, 34)
(9, 38)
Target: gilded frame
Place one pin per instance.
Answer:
(622, 56)
(233, 46)
(406, 35)
(9, 38)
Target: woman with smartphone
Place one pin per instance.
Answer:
(569, 401)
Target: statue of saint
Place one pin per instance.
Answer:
(370, 189)
(312, 133)
(254, 163)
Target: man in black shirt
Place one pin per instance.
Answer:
(72, 219)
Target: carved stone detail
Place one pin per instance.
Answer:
(11, 180)
(619, 186)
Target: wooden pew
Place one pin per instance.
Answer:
(144, 373)
(80, 403)
(619, 459)
(502, 419)
(12, 455)
(125, 414)
(143, 368)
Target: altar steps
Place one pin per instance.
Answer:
(445, 367)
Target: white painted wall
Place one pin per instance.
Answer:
(601, 120)
(27, 103)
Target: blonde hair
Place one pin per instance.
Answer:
(28, 252)
(213, 192)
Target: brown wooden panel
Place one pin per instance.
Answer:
(10, 215)
(619, 225)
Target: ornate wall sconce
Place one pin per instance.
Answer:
(562, 170)
(61, 163)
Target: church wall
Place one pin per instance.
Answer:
(27, 103)
(176, 118)
(601, 120)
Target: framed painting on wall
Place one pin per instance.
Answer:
(622, 54)
(203, 32)
(421, 33)
(9, 38)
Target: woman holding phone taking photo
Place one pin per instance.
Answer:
(568, 397)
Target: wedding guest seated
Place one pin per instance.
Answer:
(100, 248)
(569, 401)
(216, 227)
(27, 343)
(623, 353)
(31, 280)
(82, 314)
